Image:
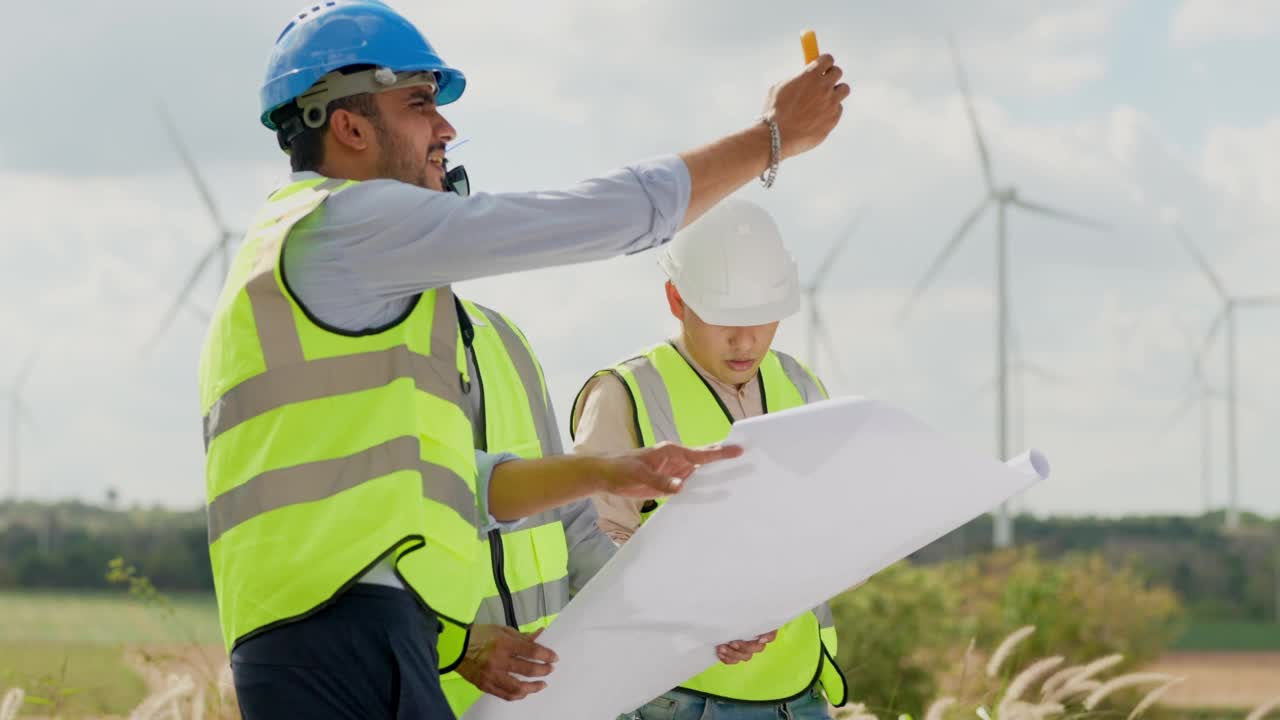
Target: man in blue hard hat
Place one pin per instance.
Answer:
(344, 493)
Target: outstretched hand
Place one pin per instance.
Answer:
(659, 470)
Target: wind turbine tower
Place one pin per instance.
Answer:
(1226, 318)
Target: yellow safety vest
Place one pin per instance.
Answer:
(527, 569)
(672, 402)
(327, 451)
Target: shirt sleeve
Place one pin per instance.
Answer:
(604, 425)
(384, 241)
(589, 547)
(485, 463)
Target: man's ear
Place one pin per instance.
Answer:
(675, 302)
(350, 130)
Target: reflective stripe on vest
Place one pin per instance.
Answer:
(535, 557)
(325, 451)
(672, 402)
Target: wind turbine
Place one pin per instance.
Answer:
(1002, 197)
(219, 249)
(1199, 393)
(1227, 317)
(817, 328)
(19, 414)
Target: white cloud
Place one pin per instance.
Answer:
(1199, 22)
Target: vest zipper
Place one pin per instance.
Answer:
(495, 535)
(500, 578)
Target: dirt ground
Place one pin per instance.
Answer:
(1221, 679)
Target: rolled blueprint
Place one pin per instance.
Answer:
(824, 496)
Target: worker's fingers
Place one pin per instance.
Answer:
(842, 91)
(643, 480)
(509, 687)
(834, 74)
(710, 454)
(730, 655)
(516, 645)
(750, 647)
(823, 63)
(767, 637)
(526, 668)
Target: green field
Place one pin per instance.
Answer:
(70, 646)
(1238, 636)
(105, 619)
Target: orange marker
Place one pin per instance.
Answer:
(809, 41)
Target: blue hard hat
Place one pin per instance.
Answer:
(336, 33)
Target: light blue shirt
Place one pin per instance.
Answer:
(373, 247)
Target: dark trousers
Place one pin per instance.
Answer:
(369, 654)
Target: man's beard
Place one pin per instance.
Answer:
(399, 162)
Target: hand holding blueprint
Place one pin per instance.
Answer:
(824, 496)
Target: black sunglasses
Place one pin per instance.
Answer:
(455, 180)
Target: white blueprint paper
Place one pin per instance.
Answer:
(824, 496)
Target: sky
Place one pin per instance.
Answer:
(1142, 114)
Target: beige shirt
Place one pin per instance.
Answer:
(604, 424)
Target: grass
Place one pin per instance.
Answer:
(83, 679)
(71, 646)
(104, 619)
(1230, 636)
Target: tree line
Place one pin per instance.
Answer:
(1217, 575)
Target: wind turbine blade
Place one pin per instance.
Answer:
(21, 378)
(200, 313)
(983, 389)
(1200, 261)
(1060, 214)
(824, 337)
(983, 156)
(190, 165)
(24, 412)
(1176, 416)
(181, 298)
(836, 248)
(941, 259)
(1041, 373)
(1211, 334)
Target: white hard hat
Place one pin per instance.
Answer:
(731, 267)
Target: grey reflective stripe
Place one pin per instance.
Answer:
(825, 619)
(321, 378)
(527, 369)
(327, 377)
(657, 401)
(530, 604)
(273, 316)
(322, 479)
(804, 382)
(272, 311)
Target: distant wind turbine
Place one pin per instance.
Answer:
(1002, 197)
(1201, 394)
(219, 249)
(1227, 317)
(19, 415)
(817, 329)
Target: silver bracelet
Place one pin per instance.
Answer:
(775, 153)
